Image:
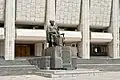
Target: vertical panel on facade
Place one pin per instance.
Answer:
(68, 11)
(31, 11)
(100, 11)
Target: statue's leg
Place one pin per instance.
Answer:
(50, 42)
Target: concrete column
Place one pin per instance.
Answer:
(50, 14)
(84, 45)
(2, 48)
(9, 26)
(114, 29)
(50, 11)
(38, 49)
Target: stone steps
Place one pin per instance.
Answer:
(17, 67)
(98, 61)
(14, 62)
(100, 67)
(65, 73)
(17, 70)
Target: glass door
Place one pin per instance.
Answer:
(99, 50)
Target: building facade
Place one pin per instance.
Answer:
(91, 27)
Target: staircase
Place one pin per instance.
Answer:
(17, 67)
(99, 63)
(28, 66)
(98, 60)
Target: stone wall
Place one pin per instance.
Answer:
(30, 11)
(68, 11)
(100, 11)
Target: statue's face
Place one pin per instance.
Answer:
(52, 23)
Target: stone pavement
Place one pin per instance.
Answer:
(93, 76)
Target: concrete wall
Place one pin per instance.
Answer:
(30, 11)
(100, 11)
(101, 37)
(40, 35)
(30, 35)
(68, 11)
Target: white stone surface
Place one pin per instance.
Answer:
(40, 35)
(84, 45)
(100, 11)
(72, 36)
(30, 35)
(32, 11)
(2, 8)
(101, 37)
(38, 49)
(9, 30)
(68, 11)
(114, 29)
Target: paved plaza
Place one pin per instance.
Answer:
(92, 76)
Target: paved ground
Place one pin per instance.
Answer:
(95, 76)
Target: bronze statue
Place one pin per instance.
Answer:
(53, 35)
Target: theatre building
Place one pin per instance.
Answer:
(91, 27)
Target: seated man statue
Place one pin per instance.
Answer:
(53, 35)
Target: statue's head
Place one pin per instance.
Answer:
(52, 22)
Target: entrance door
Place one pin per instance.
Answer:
(22, 50)
(99, 50)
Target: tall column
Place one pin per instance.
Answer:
(38, 49)
(50, 14)
(50, 11)
(9, 26)
(114, 29)
(84, 45)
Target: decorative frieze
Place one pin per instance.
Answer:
(100, 11)
(30, 10)
(68, 11)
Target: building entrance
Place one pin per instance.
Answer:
(98, 50)
(24, 50)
